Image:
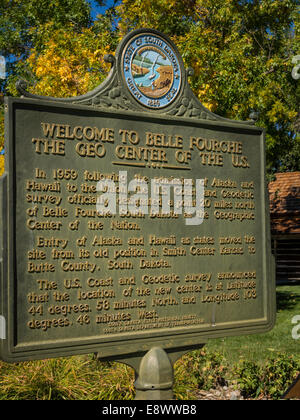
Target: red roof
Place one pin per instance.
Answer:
(284, 195)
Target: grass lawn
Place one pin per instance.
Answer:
(259, 347)
(83, 377)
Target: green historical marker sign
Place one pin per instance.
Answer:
(131, 217)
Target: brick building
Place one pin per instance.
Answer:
(284, 195)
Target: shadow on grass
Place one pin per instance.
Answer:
(287, 300)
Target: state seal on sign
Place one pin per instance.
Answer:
(151, 70)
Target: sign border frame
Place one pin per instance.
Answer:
(130, 342)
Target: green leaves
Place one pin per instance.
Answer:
(242, 55)
(21, 21)
(241, 52)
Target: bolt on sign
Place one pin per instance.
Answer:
(132, 217)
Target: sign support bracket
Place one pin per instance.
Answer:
(154, 372)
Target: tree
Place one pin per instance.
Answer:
(173, 17)
(26, 26)
(71, 63)
(22, 23)
(241, 53)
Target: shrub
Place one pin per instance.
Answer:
(271, 379)
(247, 375)
(208, 368)
(278, 373)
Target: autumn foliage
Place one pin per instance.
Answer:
(241, 53)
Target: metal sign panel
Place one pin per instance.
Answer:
(125, 230)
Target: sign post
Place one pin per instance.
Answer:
(134, 221)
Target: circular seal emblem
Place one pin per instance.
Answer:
(151, 70)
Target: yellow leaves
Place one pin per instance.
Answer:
(207, 105)
(171, 4)
(39, 71)
(279, 113)
(1, 164)
(163, 15)
(203, 90)
(97, 53)
(201, 11)
(71, 63)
